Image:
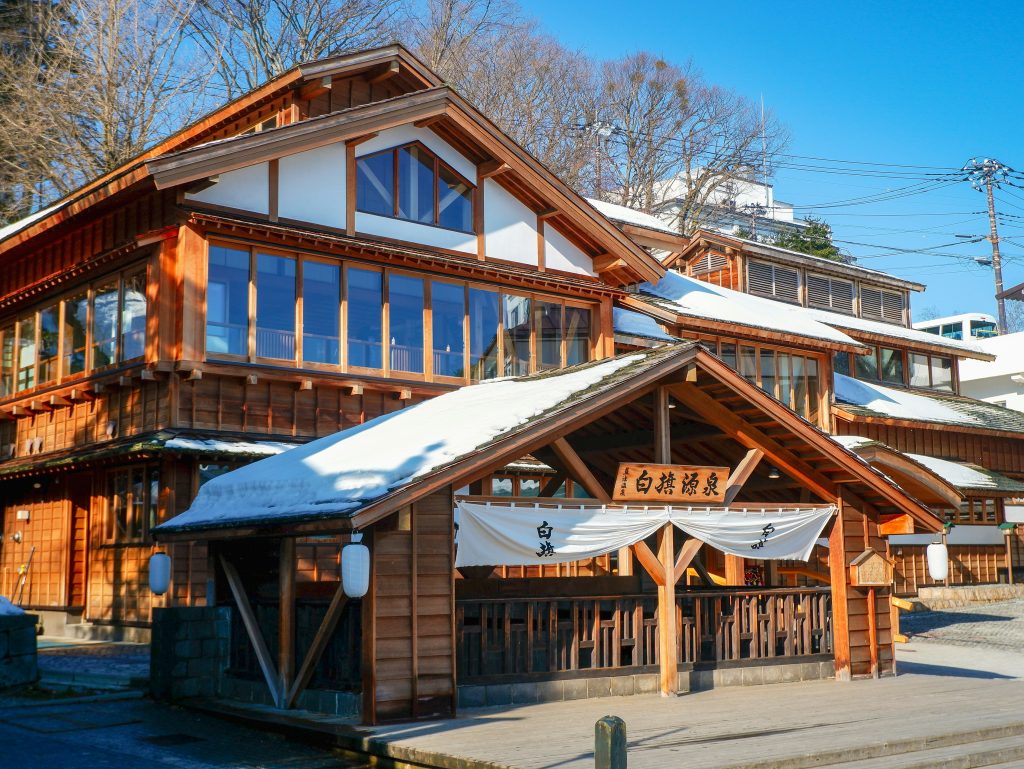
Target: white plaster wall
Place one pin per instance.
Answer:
(412, 232)
(246, 189)
(560, 254)
(992, 389)
(311, 186)
(399, 135)
(510, 227)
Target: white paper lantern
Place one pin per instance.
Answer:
(355, 567)
(938, 561)
(159, 573)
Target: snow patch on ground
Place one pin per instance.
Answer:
(345, 471)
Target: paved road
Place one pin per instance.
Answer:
(998, 626)
(129, 733)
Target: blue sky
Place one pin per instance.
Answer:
(924, 84)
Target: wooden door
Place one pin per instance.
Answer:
(80, 496)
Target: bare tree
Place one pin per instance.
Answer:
(1015, 315)
(247, 42)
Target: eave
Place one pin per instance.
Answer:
(849, 416)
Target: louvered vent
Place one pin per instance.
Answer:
(708, 263)
(787, 284)
(870, 302)
(760, 279)
(892, 306)
(884, 305)
(829, 293)
(772, 280)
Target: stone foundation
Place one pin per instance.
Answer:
(492, 695)
(189, 651)
(18, 650)
(937, 598)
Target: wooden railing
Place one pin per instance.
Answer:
(505, 639)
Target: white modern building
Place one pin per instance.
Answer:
(1000, 381)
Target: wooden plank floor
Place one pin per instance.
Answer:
(947, 690)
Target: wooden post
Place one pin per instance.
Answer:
(1009, 555)
(610, 743)
(734, 573)
(667, 630)
(949, 561)
(873, 631)
(840, 606)
(286, 618)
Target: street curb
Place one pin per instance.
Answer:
(132, 694)
(92, 681)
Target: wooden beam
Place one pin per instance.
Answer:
(316, 649)
(547, 213)
(741, 474)
(386, 72)
(578, 470)
(252, 629)
(608, 262)
(667, 630)
(687, 553)
(649, 561)
(429, 121)
(286, 616)
(491, 168)
(553, 484)
(662, 428)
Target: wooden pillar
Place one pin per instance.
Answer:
(1008, 533)
(286, 618)
(734, 571)
(840, 594)
(667, 630)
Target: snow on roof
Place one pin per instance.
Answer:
(1009, 352)
(219, 446)
(853, 323)
(637, 324)
(15, 227)
(875, 400)
(341, 473)
(695, 298)
(630, 216)
(852, 442)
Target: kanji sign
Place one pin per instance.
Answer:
(670, 483)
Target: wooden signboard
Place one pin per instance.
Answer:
(870, 569)
(679, 484)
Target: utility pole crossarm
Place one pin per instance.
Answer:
(987, 174)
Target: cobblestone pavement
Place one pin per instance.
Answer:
(115, 660)
(997, 626)
(106, 733)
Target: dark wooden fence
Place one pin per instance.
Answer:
(505, 639)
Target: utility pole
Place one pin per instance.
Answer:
(988, 174)
(601, 130)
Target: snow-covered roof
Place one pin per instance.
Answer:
(338, 475)
(695, 298)
(1009, 352)
(630, 323)
(910, 335)
(630, 216)
(15, 227)
(226, 446)
(875, 400)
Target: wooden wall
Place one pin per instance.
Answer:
(408, 616)
(47, 530)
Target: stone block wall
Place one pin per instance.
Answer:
(189, 651)
(18, 650)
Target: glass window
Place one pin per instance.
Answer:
(768, 372)
(785, 378)
(748, 364)
(375, 184)
(501, 486)
(7, 360)
(728, 354)
(76, 315)
(104, 325)
(321, 312)
(799, 385)
(405, 302)
(133, 317)
(529, 487)
(27, 353)
(117, 506)
(867, 365)
(577, 335)
(983, 329)
(919, 376)
(275, 307)
(892, 365)
(448, 311)
(365, 318)
(549, 335)
(483, 333)
(942, 374)
(227, 302)
(454, 201)
(49, 343)
(813, 389)
(416, 185)
(138, 508)
(841, 363)
(516, 322)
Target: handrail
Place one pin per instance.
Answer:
(695, 592)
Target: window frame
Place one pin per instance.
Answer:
(110, 536)
(396, 187)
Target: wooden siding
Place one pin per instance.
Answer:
(409, 615)
(47, 530)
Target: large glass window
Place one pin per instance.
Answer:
(942, 373)
(891, 365)
(27, 353)
(275, 307)
(104, 324)
(516, 322)
(76, 320)
(799, 404)
(133, 316)
(405, 304)
(429, 191)
(227, 302)
(768, 383)
(7, 360)
(577, 335)
(549, 335)
(841, 363)
(483, 333)
(49, 343)
(813, 389)
(748, 364)
(365, 318)
(448, 312)
(867, 366)
(321, 309)
(133, 497)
